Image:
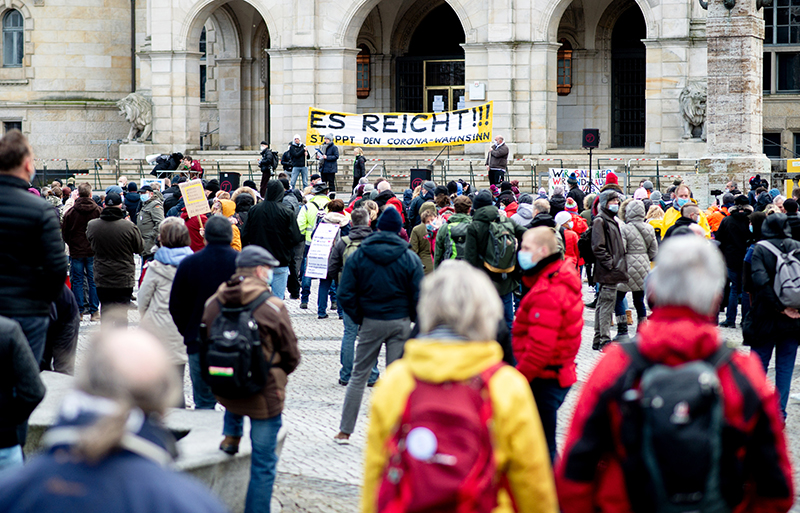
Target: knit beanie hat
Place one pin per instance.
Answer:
(218, 230)
(483, 199)
(571, 206)
(611, 178)
(563, 218)
(525, 198)
(390, 221)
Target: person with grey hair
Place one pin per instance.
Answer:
(343, 248)
(458, 317)
(108, 449)
(328, 155)
(684, 290)
(557, 201)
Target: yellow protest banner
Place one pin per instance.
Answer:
(401, 130)
(194, 197)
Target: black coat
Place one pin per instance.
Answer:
(114, 241)
(610, 266)
(359, 168)
(330, 164)
(381, 280)
(21, 388)
(734, 237)
(172, 195)
(765, 320)
(197, 279)
(298, 154)
(557, 204)
(681, 221)
(33, 264)
(273, 226)
(133, 202)
(794, 223)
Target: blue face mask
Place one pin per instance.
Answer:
(751, 228)
(681, 201)
(526, 260)
(144, 197)
(614, 208)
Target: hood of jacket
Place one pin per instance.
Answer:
(525, 211)
(543, 219)
(776, 226)
(132, 197)
(228, 207)
(634, 212)
(335, 218)
(437, 361)
(360, 232)
(112, 214)
(674, 335)
(762, 201)
(740, 213)
(85, 205)
(244, 202)
(172, 256)
(275, 191)
(459, 218)
(241, 289)
(486, 214)
(605, 197)
(383, 248)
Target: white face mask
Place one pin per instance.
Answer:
(263, 148)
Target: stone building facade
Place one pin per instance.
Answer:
(239, 71)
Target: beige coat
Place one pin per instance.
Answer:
(154, 308)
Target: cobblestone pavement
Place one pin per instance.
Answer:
(317, 475)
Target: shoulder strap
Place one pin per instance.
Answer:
(252, 305)
(638, 362)
(721, 356)
(775, 251)
(346, 239)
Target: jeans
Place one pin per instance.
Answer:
(263, 461)
(232, 424)
(373, 334)
(115, 300)
(549, 397)
(735, 279)
(280, 276)
(301, 171)
(785, 354)
(620, 306)
(348, 350)
(35, 330)
(508, 309)
(326, 287)
(606, 300)
(10, 457)
(80, 268)
(203, 397)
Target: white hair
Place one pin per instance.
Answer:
(384, 186)
(780, 198)
(462, 298)
(690, 272)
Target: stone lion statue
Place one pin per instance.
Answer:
(693, 108)
(138, 111)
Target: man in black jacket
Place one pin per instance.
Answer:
(379, 290)
(34, 265)
(273, 226)
(267, 165)
(792, 218)
(298, 154)
(114, 241)
(21, 389)
(610, 266)
(197, 278)
(575, 191)
(734, 237)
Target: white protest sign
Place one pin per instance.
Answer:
(194, 197)
(151, 181)
(558, 176)
(320, 250)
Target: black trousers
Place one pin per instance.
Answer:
(266, 174)
(496, 176)
(114, 303)
(330, 179)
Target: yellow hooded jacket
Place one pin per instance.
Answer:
(520, 452)
(228, 209)
(672, 214)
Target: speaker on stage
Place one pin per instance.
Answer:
(419, 176)
(229, 181)
(591, 137)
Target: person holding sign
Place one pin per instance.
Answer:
(328, 156)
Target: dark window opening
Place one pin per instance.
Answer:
(788, 72)
(12, 125)
(203, 65)
(628, 73)
(564, 85)
(772, 145)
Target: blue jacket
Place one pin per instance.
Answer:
(123, 482)
(133, 202)
(381, 280)
(197, 278)
(413, 210)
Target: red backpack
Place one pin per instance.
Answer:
(441, 456)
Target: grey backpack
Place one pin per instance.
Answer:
(787, 275)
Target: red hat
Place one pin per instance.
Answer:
(571, 206)
(612, 178)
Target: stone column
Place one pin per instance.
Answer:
(734, 106)
(175, 82)
(229, 88)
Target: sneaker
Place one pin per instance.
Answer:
(323, 316)
(304, 306)
(230, 445)
(592, 304)
(595, 346)
(343, 383)
(95, 317)
(342, 439)
(334, 306)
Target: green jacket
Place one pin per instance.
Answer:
(441, 237)
(307, 218)
(477, 238)
(148, 221)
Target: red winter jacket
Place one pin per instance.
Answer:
(757, 475)
(398, 205)
(571, 247)
(547, 329)
(193, 224)
(578, 224)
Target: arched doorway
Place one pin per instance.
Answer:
(430, 75)
(628, 73)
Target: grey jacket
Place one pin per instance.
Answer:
(153, 301)
(524, 215)
(149, 221)
(641, 246)
(498, 157)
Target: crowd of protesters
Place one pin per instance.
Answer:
(477, 299)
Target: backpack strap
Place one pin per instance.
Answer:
(721, 356)
(775, 251)
(249, 307)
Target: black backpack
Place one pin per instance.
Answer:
(231, 355)
(585, 247)
(672, 422)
